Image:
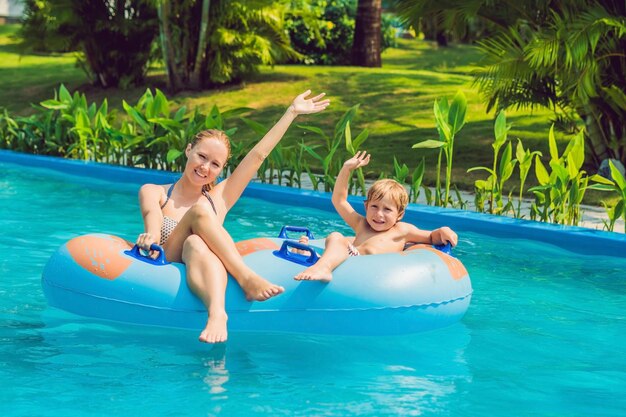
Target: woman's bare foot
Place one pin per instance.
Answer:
(317, 272)
(215, 330)
(259, 289)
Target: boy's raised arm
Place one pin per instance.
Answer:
(340, 191)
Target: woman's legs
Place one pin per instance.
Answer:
(201, 221)
(207, 279)
(335, 253)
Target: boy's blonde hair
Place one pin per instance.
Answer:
(389, 188)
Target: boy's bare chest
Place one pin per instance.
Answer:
(371, 242)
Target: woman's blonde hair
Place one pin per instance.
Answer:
(220, 136)
(389, 188)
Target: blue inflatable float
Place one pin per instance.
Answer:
(422, 288)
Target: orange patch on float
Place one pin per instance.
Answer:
(456, 268)
(100, 255)
(246, 247)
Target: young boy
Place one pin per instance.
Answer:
(380, 231)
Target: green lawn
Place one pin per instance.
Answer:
(396, 100)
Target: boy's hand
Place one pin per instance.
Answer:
(444, 235)
(305, 241)
(360, 159)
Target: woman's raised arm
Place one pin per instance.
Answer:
(233, 186)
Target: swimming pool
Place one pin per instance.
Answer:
(544, 334)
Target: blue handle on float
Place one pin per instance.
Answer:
(445, 248)
(136, 253)
(285, 253)
(285, 229)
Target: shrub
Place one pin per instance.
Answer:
(323, 31)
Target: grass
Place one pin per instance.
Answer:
(396, 101)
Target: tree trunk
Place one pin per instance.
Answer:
(195, 81)
(366, 48)
(173, 78)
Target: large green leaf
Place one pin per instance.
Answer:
(257, 127)
(457, 112)
(54, 105)
(617, 177)
(348, 137)
(600, 179)
(440, 108)
(489, 170)
(500, 130)
(617, 96)
(361, 137)
(161, 104)
(64, 94)
(348, 116)
(313, 129)
(540, 171)
(237, 111)
(429, 144)
(137, 117)
(172, 155)
(554, 150)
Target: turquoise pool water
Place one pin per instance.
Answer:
(544, 335)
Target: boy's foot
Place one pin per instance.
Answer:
(260, 289)
(215, 330)
(316, 272)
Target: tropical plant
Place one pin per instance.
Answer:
(525, 160)
(39, 31)
(417, 177)
(450, 119)
(8, 131)
(564, 55)
(353, 146)
(207, 42)
(616, 184)
(114, 37)
(71, 126)
(500, 172)
(572, 63)
(330, 162)
(400, 172)
(560, 191)
(323, 31)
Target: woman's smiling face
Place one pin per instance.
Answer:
(205, 160)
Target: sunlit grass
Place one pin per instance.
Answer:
(396, 101)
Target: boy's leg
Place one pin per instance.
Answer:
(335, 253)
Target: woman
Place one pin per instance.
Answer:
(187, 217)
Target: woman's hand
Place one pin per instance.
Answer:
(145, 240)
(360, 159)
(302, 105)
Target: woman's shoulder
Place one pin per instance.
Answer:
(154, 189)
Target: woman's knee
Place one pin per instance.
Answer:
(202, 212)
(194, 246)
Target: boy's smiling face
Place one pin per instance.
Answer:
(382, 214)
